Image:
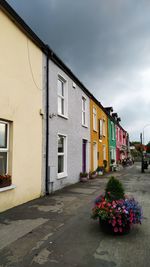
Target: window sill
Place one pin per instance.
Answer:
(85, 126)
(6, 188)
(95, 131)
(63, 116)
(62, 175)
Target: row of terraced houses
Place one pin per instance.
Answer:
(51, 126)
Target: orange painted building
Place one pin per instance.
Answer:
(99, 136)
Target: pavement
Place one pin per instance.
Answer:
(57, 230)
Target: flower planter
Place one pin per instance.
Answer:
(5, 180)
(106, 227)
(4, 184)
(83, 179)
(93, 176)
(116, 211)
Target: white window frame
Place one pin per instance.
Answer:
(84, 111)
(104, 152)
(112, 131)
(64, 173)
(63, 97)
(100, 129)
(6, 150)
(118, 134)
(94, 119)
(104, 127)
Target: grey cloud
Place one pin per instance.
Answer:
(105, 43)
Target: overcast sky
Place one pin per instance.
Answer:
(106, 43)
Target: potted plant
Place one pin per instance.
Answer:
(83, 176)
(100, 170)
(93, 175)
(5, 180)
(115, 211)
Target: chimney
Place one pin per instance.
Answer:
(109, 110)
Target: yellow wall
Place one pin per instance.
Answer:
(20, 102)
(95, 135)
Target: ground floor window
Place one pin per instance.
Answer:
(113, 154)
(4, 147)
(62, 155)
(104, 152)
(5, 178)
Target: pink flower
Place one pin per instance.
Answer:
(116, 229)
(120, 229)
(119, 222)
(113, 223)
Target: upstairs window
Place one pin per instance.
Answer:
(4, 147)
(100, 129)
(84, 119)
(94, 119)
(112, 131)
(62, 97)
(118, 134)
(104, 128)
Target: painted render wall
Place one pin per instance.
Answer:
(112, 141)
(71, 127)
(95, 136)
(20, 103)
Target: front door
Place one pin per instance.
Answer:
(94, 156)
(84, 143)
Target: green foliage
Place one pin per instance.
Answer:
(83, 174)
(114, 189)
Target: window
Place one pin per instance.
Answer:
(100, 129)
(104, 152)
(84, 120)
(112, 131)
(104, 128)
(4, 147)
(62, 97)
(62, 159)
(118, 134)
(94, 119)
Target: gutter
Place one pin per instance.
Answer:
(47, 126)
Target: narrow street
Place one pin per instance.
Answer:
(57, 230)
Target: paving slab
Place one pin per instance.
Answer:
(85, 191)
(57, 231)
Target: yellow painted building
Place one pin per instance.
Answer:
(99, 136)
(20, 119)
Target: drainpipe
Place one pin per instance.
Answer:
(47, 124)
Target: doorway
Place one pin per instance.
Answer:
(84, 155)
(94, 156)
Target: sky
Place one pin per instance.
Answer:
(106, 44)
